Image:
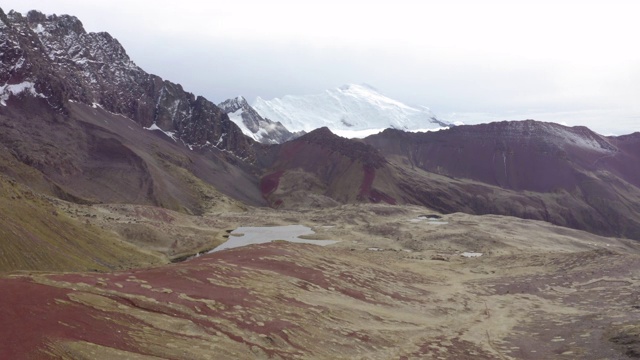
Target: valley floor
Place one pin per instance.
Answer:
(395, 286)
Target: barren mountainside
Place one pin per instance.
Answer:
(568, 176)
(97, 128)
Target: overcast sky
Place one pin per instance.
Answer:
(572, 62)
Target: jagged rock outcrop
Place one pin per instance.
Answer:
(55, 58)
(254, 125)
(88, 125)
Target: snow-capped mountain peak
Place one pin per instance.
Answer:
(234, 104)
(371, 94)
(350, 110)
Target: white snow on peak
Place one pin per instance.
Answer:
(361, 134)
(349, 110)
(7, 91)
(236, 117)
(587, 141)
(559, 135)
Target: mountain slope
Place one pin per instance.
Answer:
(253, 125)
(350, 110)
(320, 168)
(568, 176)
(54, 58)
(37, 236)
(99, 129)
(90, 155)
(519, 155)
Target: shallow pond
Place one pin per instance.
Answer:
(248, 235)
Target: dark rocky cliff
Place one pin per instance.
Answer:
(57, 59)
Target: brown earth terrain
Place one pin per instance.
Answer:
(395, 286)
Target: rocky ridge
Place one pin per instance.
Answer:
(569, 176)
(55, 58)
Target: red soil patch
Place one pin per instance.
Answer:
(32, 317)
(367, 181)
(191, 279)
(261, 258)
(357, 294)
(269, 183)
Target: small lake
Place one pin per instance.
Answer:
(249, 235)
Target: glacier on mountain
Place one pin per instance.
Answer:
(349, 111)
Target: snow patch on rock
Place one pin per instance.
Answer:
(170, 134)
(8, 90)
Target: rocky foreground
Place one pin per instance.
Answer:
(395, 286)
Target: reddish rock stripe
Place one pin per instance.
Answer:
(33, 316)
